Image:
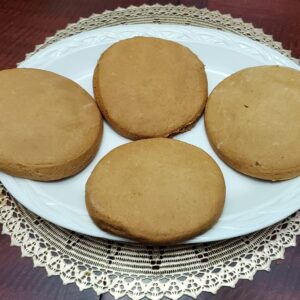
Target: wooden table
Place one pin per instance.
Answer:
(23, 24)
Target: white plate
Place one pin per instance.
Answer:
(250, 204)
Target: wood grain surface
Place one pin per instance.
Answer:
(25, 23)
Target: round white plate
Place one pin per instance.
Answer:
(250, 204)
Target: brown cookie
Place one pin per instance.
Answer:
(252, 120)
(157, 191)
(50, 128)
(149, 87)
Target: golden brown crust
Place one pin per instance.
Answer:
(50, 127)
(145, 99)
(156, 191)
(252, 122)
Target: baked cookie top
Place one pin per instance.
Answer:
(150, 87)
(50, 127)
(252, 119)
(157, 191)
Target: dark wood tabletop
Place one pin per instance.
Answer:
(25, 23)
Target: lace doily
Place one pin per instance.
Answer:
(143, 271)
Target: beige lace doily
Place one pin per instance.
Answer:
(136, 270)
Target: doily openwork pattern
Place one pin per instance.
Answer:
(136, 270)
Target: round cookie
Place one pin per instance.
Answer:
(149, 87)
(50, 128)
(157, 191)
(252, 120)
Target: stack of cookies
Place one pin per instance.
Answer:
(154, 190)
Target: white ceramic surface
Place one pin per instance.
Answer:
(250, 204)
